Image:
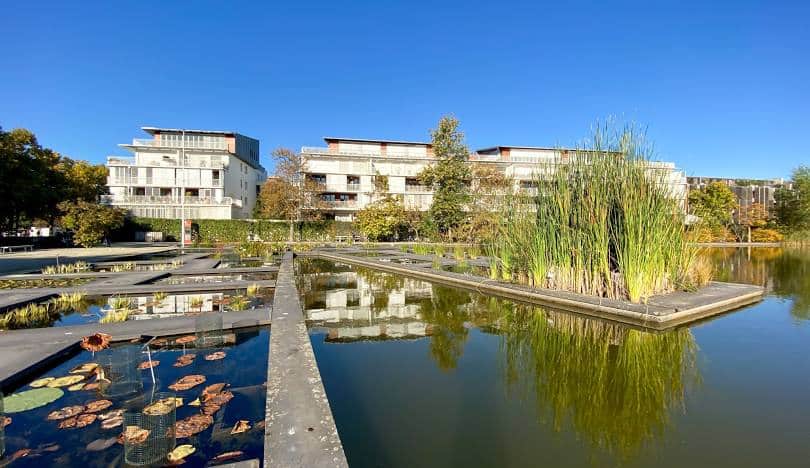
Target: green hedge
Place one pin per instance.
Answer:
(215, 231)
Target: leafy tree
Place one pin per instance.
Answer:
(715, 205)
(384, 219)
(449, 176)
(793, 206)
(489, 187)
(83, 181)
(90, 222)
(289, 195)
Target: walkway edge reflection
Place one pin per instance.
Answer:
(300, 430)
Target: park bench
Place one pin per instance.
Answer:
(11, 248)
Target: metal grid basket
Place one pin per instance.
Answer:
(119, 374)
(160, 439)
(208, 328)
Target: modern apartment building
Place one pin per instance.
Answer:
(218, 172)
(344, 170)
(747, 191)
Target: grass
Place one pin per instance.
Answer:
(238, 303)
(602, 223)
(29, 316)
(115, 316)
(120, 302)
(196, 302)
(458, 253)
(73, 298)
(160, 296)
(127, 266)
(66, 268)
(252, 290)
(421, 249)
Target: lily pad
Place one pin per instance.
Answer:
(212, 390)
(65, 381)
(30, 399)
(184, 360)
(76, 387)
(135, 434)
(215, 356)
(227, 456)
(187, 382)
(163, 406)
(186, 339)
(148, 364)
(192, 425)
(66, 412)
(85, 368)
(41, 382)
(96, 342)
(240, 427)
(196, 402)
(180, 452)
(4, 421)
(100, 444)
(97, 405)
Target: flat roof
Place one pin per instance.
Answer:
(364, 140)
(153, 130)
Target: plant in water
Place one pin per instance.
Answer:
(160, 296)
(603, 222)
(115, 316)
(72, 298)
(66, 268)
(196, 303)
(252, 290)
(439, 250)
(458, 252)
(127, 266)
(421, 249)
(238, 303)
(120, 302)
(29, 316)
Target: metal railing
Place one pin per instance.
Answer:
(167, 200)
(160, 182)
(216, 145)
(417, 188)
(341, 203)
(333, 152)
(191, 163)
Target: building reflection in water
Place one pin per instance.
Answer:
(615, 386)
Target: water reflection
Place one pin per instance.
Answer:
(614, 386)
(784, 272)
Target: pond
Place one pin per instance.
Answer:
(240, 363)
(233, 260)
(203, 279)
(425, 375)
(107, 309)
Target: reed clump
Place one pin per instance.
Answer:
(603, 222)
(29, 316)
(66, 268)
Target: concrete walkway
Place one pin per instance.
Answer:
(23, 262)
(299, 428)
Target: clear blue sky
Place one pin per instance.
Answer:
(723, 86)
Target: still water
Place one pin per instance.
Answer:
(425, 375)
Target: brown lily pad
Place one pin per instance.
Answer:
(163, 406)
(90, 386)
(227, 456)
(212, 390)
(112, 422)
(66, 412)
(65, 381)
(148, 364)
(192, 425)
(96, 342)
(215, 356)
(68, 423)
(215, 402)
(5, 421)
(184, 360)
(159, 342)
(97, 405)
(84, 420)
(186, 339)
(85, 368)
(240, 427)
(135, 435)
(187, 382)
(100, 444)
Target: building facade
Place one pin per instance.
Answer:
(748, 192)
(345, 169)
(218, 173)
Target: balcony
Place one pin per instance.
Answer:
(191, 163)
(210, 145)
(345, 204)
(339, 187)
(331, 152)
(166, 200)
(417, 188)
(151, 181)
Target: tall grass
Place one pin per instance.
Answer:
(65, 268)
(603, 222)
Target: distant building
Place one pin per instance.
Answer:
(747, 191)
(345, 169)
(218, 171)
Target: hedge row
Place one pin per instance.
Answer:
(215, 231)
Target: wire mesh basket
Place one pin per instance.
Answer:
(119, 374)
(2, 427)
(208, 328)
(149, 430)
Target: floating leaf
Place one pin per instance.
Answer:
(76, 387)
(90, 386)
(135, 434)
(110, 414)
(192, 425)
(111, 419)
(227, 456)
(240, 427)
(212, 390)
(184, 360)
(187, 382)
(97, 405)
(100, 444)
(96, 342)
(186, 339)
(65, 381)
(163, 406)
(215, 356)
(66, 412)
(215, 402)
(83, 420)
(148, 364)
(4, 422)
(180, 452)
(196, 402)
(41, 382)
(31, 399)
(85, 368)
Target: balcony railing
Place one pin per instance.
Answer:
(167, 200)
(160, 182)
(341, 203)
(191, 163)
(340, 187)
(417, 188)
(333, 152)
(215, 145)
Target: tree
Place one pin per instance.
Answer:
(750, 217)
(793, 205)
(289, 194)
(448, 177)
(83, 181)
(90, 222)
(383, 220)
(489, 187)
(715, 205)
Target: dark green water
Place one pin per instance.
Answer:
(424, 375)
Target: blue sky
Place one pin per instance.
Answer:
(722, 86)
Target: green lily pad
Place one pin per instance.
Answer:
(30, 399)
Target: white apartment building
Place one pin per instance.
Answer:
(218, 172)
(344, 170)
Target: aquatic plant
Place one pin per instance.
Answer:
(196, 302)
(160, 296)
(252, 290)
(439, 250)
(436, 264)
(69, 299)
(458, 252)
(120, 302)
(29, 316)
(66, 268)
(115, 316)
(238, 303)
(603, 222)
(31, 399)
(421, 249)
